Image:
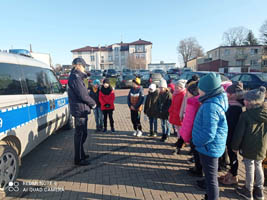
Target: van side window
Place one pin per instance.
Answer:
(10, 79)
(36, 80)
(55, 85)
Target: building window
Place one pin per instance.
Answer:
(137, 56)
(253, 62)
(102, 59)
(239, 62)
(216, 54)
(253, 51)
(110, 58)
(92, 58)
(116, 49)
(265, 63)
(139, 48)
(227, 52)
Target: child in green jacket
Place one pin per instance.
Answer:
(250, 138)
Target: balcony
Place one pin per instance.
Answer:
(264, 57)
(241, 57)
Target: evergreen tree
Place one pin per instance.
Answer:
(250, 39)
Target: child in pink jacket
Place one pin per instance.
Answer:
(190, 113)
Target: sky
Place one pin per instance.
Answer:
(59, 26)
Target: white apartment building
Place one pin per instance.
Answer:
(135, 55)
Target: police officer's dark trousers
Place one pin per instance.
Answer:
(79, 138)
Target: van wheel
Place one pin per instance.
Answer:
(70, 124)
(9, 165)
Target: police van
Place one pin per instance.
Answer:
(33, 105)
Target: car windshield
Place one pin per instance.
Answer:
(128, 77)
(263, 77)
(156, 76)
(173, 76)
(111, 71)
(63, 77)
(96, 77)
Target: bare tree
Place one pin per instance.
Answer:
(189, 48)
(250, 39)
(235, 36)
(136, 62)
(263, 33)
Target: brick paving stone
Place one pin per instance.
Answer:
(122, 166)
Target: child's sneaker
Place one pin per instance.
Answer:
(151, 134)
(134, 133)
(112, 130)
(139, 133)
(258, 193)
(105, 130)
(244, 192)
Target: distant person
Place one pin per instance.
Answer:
(94, 93)
(151, 109)
(250, 139)
(164, 102)
(107, 98)
(80, 106)
(210, 129)
(135, 102)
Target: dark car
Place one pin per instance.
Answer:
(251, 80)
(96, 72)
(125, 81)
(171, 78)
(94, 77)
(111, 73)
(143, 72)
(174, 71)
(188, 75)
(145, 80)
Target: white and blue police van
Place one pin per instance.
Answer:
(33, 105)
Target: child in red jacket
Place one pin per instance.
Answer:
(174, 110)
(106, 98)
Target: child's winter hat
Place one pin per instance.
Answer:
(181, 83)
(137, 81)
(96, 82)
(209, 82)
(257, 95)
(237, 86)
(193, 89)
(153, 87)
(163, 83)
(106, 80)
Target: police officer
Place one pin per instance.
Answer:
(80, 106)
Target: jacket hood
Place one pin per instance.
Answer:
(258, 114)
(221, 100)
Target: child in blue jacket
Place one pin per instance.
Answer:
(210, 129)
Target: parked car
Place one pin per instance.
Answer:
(64, 79)
(171, 78)
(96, 72)
(156, 78)
(125, 81)
(111, 73)
(188, 75)
(33, 105)
(174, 71)
(142, 72)
(251, 80)
(94, 77)
(105, 73)
(145, 80)
(162, 72)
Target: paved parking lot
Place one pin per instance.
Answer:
(123, 167)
